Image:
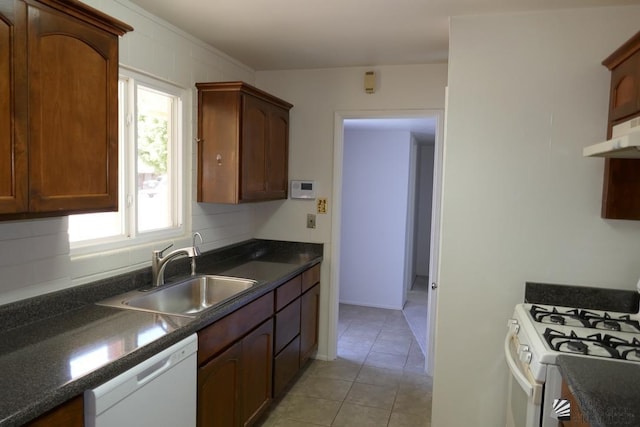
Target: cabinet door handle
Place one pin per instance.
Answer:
(219, 159)
(198, 139)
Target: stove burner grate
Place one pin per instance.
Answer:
(584, 318)
(590, 345)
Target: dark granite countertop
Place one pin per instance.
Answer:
(54, 347)
(607, 391)
(620, 300)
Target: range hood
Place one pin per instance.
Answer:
(622, 147)
(624, 144)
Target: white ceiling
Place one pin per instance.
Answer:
(297, 34)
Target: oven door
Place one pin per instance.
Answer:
(524, 401)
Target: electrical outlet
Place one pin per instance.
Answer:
(322, 205)
(311, 221)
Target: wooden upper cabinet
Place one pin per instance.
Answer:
(64, 97)
(624, 96)
(13, 107)
(621, 189)
(243, 144)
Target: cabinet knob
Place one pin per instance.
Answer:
(434, 285)
(219, 159)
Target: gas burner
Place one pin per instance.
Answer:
(591, 345)
(577, 347)
(569, 317)
(609, 324)
(628, 349)
(621, 322)
(557, 319)
(584, 318)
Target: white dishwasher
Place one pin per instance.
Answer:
(159, 392)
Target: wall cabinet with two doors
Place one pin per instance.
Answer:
(621, 190)
(58, 108)
(243, 144)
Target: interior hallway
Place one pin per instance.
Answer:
(377, 380)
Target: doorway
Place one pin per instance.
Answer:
(411, 130)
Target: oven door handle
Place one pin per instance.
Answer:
(525, 379)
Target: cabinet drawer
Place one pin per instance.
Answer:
(288, 292)
(286, 366)
(287, 325)
(310, 277)
(216, 337)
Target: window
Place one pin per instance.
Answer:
(150, 187)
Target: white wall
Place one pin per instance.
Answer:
(526, 94)
(34, 255)
(317, 95)
(374, 217)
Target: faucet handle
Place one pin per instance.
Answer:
(160, 253)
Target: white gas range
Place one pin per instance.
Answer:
(539, 333)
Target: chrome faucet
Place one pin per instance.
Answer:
(159, 262)
(197, 250)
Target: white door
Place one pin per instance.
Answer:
(434, 259)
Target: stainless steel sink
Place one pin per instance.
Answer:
(185, 298)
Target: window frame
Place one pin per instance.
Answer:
(127, 170)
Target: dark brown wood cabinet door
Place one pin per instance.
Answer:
(13, 107)
(577, 418)
(625, 89)
(309, 315)
(68, 414)
(277, 154)
(219, 383)
(73, 92)
(218, 145)
(255, 115)
(257, 354)
(285, 366)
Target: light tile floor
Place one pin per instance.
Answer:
(377, 380)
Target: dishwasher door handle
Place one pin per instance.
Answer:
(154, 370)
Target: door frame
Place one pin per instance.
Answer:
(336, 220)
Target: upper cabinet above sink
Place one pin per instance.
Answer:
(243, 144)
(58, 109)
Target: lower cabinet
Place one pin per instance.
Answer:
(255, 390)
(577, 418)
(296, 327)
(219, 389)
(250, 356)
(68, 414)
(235, 387)
(235, 366)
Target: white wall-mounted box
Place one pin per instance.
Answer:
(303, 189)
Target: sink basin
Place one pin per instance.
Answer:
(186, 298)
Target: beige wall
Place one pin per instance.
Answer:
(526, 94)
(317, 95)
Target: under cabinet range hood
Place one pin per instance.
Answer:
(624, 143)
